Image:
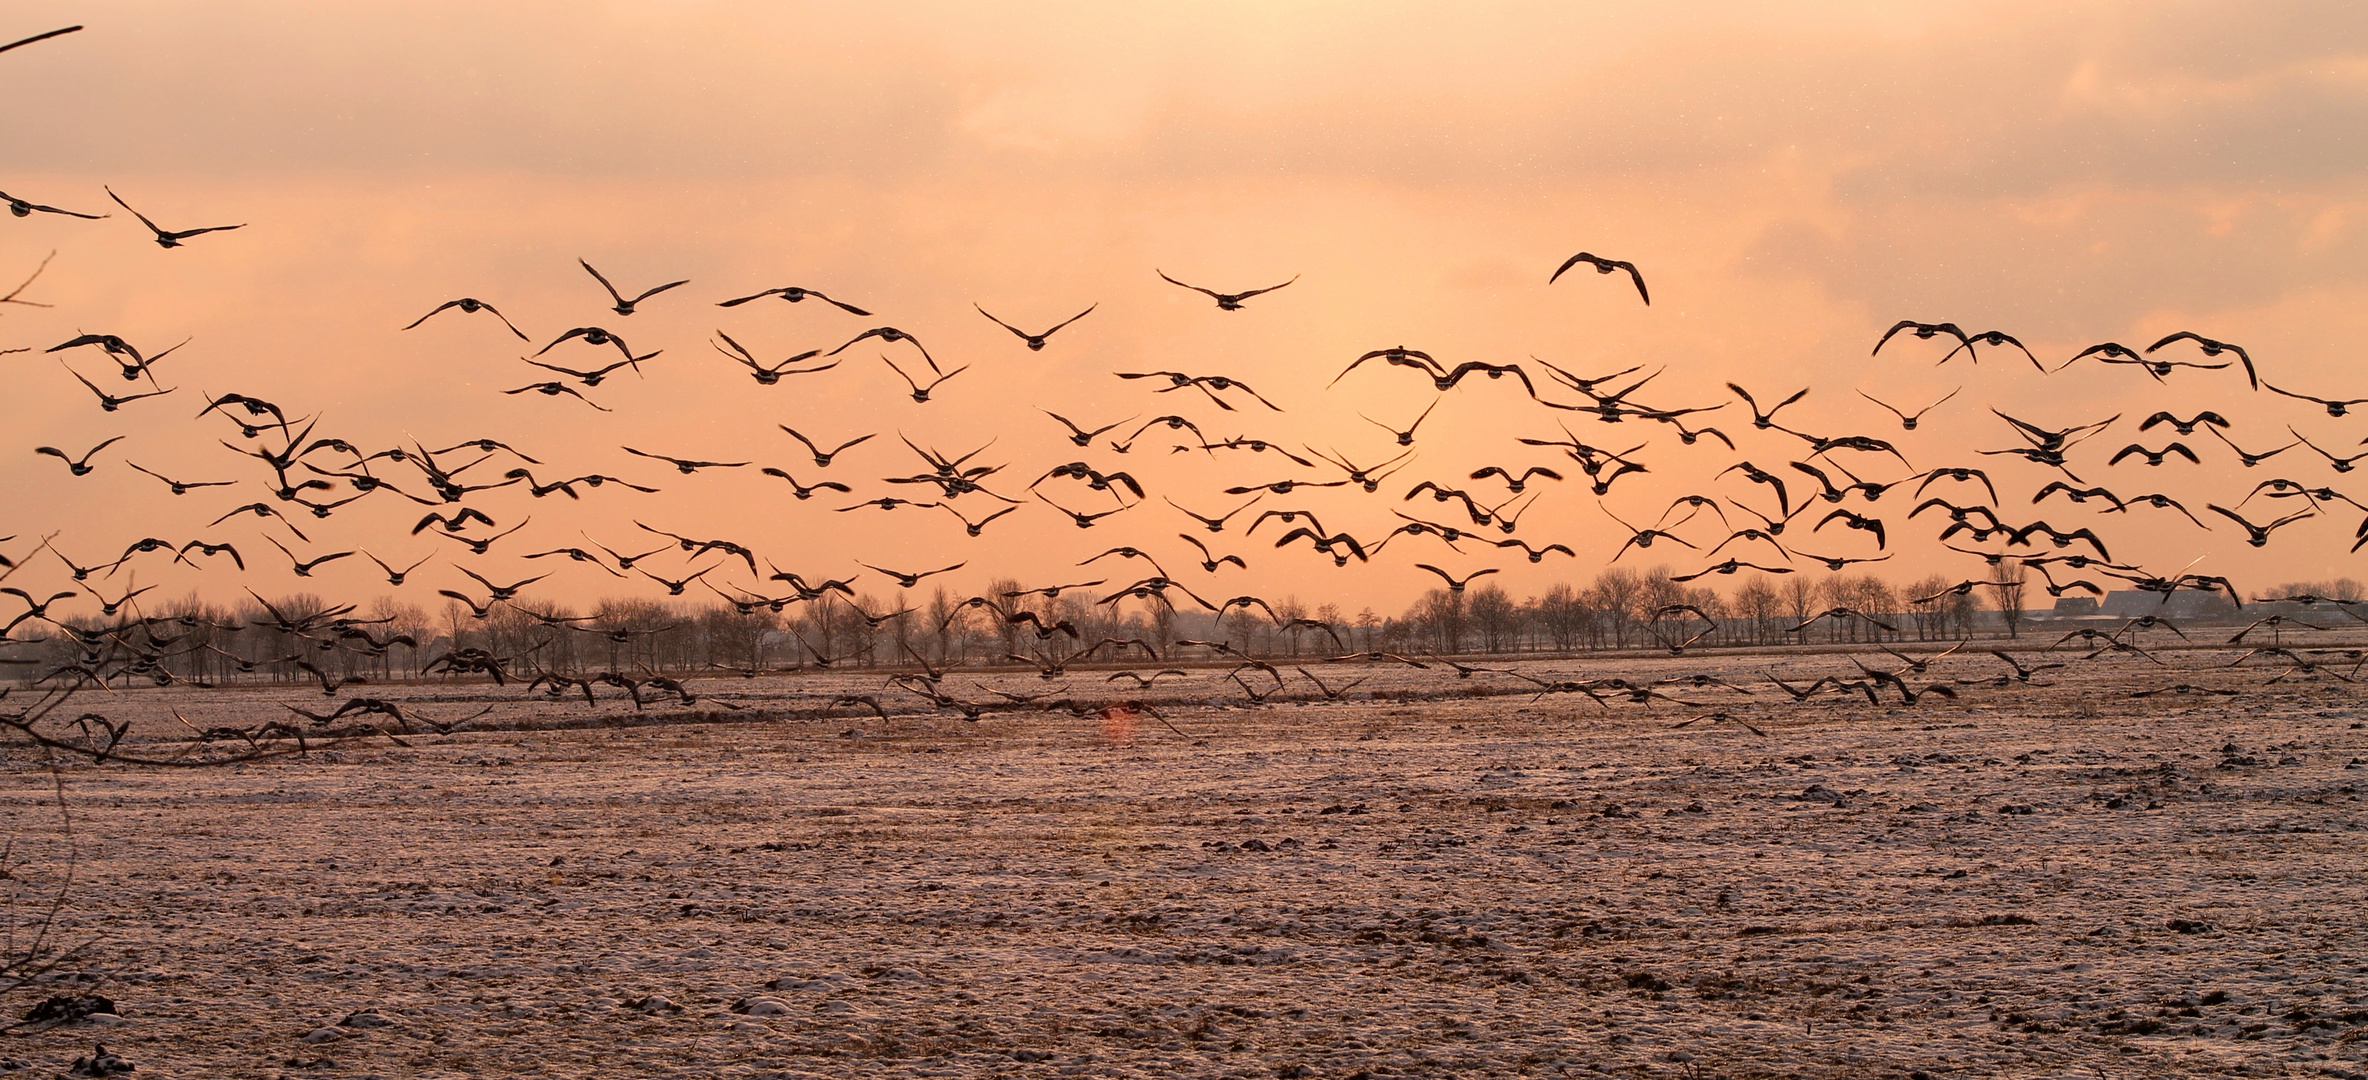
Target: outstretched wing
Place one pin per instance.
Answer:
(841, 305)
(1067, 321)
(1015, 331)
(1581, 257)
(662, 288)
(185, 234)
(143, 217)
(1163, 276)
(597, 276)
(1255, 292)
(1638, 278)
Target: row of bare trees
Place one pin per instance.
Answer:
(196, 642)
(1624, 608)
(1620, 608)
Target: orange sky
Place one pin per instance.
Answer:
(1791, 182)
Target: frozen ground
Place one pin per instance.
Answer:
(2030, 881)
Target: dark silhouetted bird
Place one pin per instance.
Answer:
(2335, 406)
(1604, 266)
(2155, 457)
(795, 294)
(1077, 435)
(1455, 584)
(2258, 535)
(555, 389)
(1035, 342)
(1225, 301)
(1907, 420)
(471, 305)
(1924, 332)
(26, 208)
(182, 487)
(165, 238)
(624, 306)
(822, 458)
(806, 491)
(2213, 348)
(685, 466)
(1766, 420)
(768, 375)
(1208, 561)
(2184, 427)
(79, 466)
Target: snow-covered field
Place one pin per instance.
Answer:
(2054, 880)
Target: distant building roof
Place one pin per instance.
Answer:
(2184, 603)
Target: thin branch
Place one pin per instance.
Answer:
(23, 963)
(39, 37)
(7, 572)
(11, 298)
(100, 755)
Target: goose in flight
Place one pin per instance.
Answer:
(624, 306)
(2215, 348)
(795, 294)
(470, 305)
(1605, 266)
(1455, 584)
(1077, 435)
(1035, 342)
(764, 375)
(1908, 420)
(26, 208)
(79, 466)
(1923, 331)
(822, 457)
(168, 238)
(1225, 301)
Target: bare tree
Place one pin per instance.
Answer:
(1801, 597)
(1562, 613)
(1006, 632)
(1163, 625)
(1288, 610)
(1494, 614)
(1658, 592)
(1712, 604)
(1242, 628)
(1442, 610)
(1930, 595)
(1876, 597)
(947, 623)
(1614, 593)
(2010, 574)
(1758, 603)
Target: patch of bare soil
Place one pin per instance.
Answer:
(2034, 880)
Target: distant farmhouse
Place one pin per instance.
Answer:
(2183, 604)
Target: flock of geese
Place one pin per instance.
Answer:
(1824, 491)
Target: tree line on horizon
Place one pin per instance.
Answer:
(1621, 608)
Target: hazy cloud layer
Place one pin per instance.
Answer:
(1793, 180)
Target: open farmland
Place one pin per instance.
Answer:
(2037, 879)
